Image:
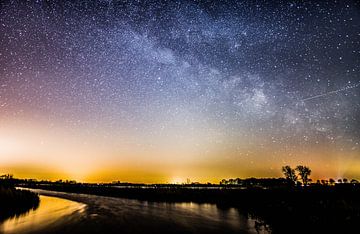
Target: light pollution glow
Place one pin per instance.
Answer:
(99, 92)
(42, 153)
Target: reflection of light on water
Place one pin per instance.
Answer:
(200, 215)
(51, 209)
(212, 213)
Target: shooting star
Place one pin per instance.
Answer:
(331, 92)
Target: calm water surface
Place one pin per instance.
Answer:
(79, 213)
(51, 212)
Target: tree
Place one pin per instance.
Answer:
(354, 181)
(304, 173)
(289, 174)
(223, 182)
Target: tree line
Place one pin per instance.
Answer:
(300, 175)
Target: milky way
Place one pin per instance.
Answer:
(228, 74)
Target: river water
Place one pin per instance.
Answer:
(79, 213)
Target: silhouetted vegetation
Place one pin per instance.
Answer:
(290, 174)
(304, 173)
(14, 201)
(255, 183)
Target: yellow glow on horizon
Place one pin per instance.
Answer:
(37, 151)
(177, 181)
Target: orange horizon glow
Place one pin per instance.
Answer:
(39, 152)
(33, 151)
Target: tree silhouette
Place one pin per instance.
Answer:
(289, 174)
(304, 173)
(223, 182)
(354, 181)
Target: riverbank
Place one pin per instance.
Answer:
(14, 202)
(301, 210)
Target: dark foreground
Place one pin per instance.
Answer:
(14, 202)
(315, 209)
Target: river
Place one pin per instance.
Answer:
(60, 212)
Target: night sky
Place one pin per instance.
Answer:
(161, 91)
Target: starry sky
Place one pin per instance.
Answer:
(161, 91)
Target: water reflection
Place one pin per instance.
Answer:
(198, 216)
(49, 212)
(116, 215)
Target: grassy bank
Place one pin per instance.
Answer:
(14, 201)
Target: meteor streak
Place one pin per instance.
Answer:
(332, 92)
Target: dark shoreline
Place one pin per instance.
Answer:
(15, 202)
(314, 209)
